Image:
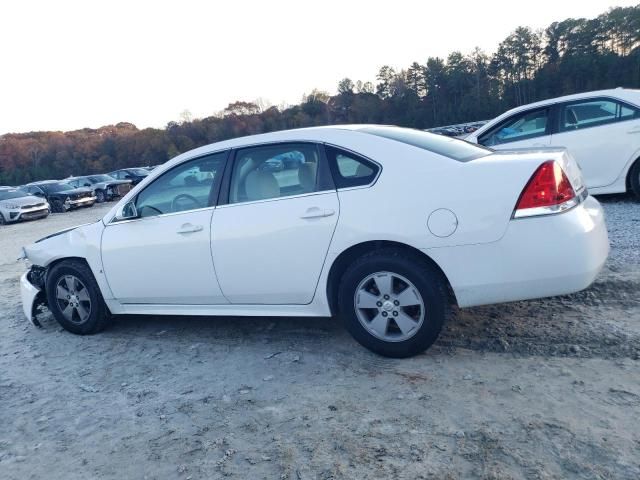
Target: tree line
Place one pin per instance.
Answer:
(574, 55)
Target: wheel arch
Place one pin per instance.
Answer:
(348, 256)
(632, 165)
(82, 260)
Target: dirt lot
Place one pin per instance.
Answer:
(537, 390)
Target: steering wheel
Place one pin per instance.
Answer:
(174, 203)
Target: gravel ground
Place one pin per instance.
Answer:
(536, 390)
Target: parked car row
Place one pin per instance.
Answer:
(459, 130)
(37, 199)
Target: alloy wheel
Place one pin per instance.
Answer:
(73, 299)
(389, 306)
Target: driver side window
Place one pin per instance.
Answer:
(523, 126)
(189, 186)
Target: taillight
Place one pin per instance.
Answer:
(548, 191)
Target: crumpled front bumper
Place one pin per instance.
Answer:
(31, 298)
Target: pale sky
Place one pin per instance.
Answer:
(73, 64)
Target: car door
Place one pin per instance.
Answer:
(528, 129)
(270, 239)
(163, 254)
(602, 134)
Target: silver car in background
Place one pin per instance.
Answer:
(105, 187)
(17, 205)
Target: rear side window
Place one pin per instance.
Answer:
(349, 169)
(592, 113)
(449, 147)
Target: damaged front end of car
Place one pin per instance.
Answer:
(32, 292)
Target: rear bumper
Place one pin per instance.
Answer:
(30, 298)
(537, 257)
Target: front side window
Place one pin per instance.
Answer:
(273, 171)
(188, 186)
(522, 126)
(349, 169)
(592, 113)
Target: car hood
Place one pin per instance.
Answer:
(23, 201)
(111, 183)
(73, 191)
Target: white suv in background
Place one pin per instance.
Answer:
(600, 129)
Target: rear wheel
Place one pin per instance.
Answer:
(393, 303)
(74, 298)
(634, 179)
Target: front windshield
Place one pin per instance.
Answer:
(139, 171)
(55, 187)
(100, 178)
(12, 193)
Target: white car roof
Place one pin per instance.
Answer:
(626, 94)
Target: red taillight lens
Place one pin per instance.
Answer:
(547, 187)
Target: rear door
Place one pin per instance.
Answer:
(602, 134)
(270, 239)
(528, 129)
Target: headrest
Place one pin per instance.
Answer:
(260, 185)
(307, 176)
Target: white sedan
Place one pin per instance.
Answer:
(384, 226)
(600, 129)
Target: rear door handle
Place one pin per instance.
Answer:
(188, 228)
(634, 130)
(315, 212)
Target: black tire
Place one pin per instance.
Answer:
(426, 280)
(57, 206)
(634, 179)
(100, 196)
(2, 220)
(99, 316)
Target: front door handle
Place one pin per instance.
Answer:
(188, 228)
(634, 130)
(315, 212)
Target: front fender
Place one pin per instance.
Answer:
(80, 242)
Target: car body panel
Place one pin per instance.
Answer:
(142, 258)
(277, 261)
(266, 253)
(524, 263)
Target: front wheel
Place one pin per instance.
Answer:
(100, 196)
(74, 298)
(57, 206)
(393, 303)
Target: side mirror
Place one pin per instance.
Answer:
(38, 194)
(127, 211)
